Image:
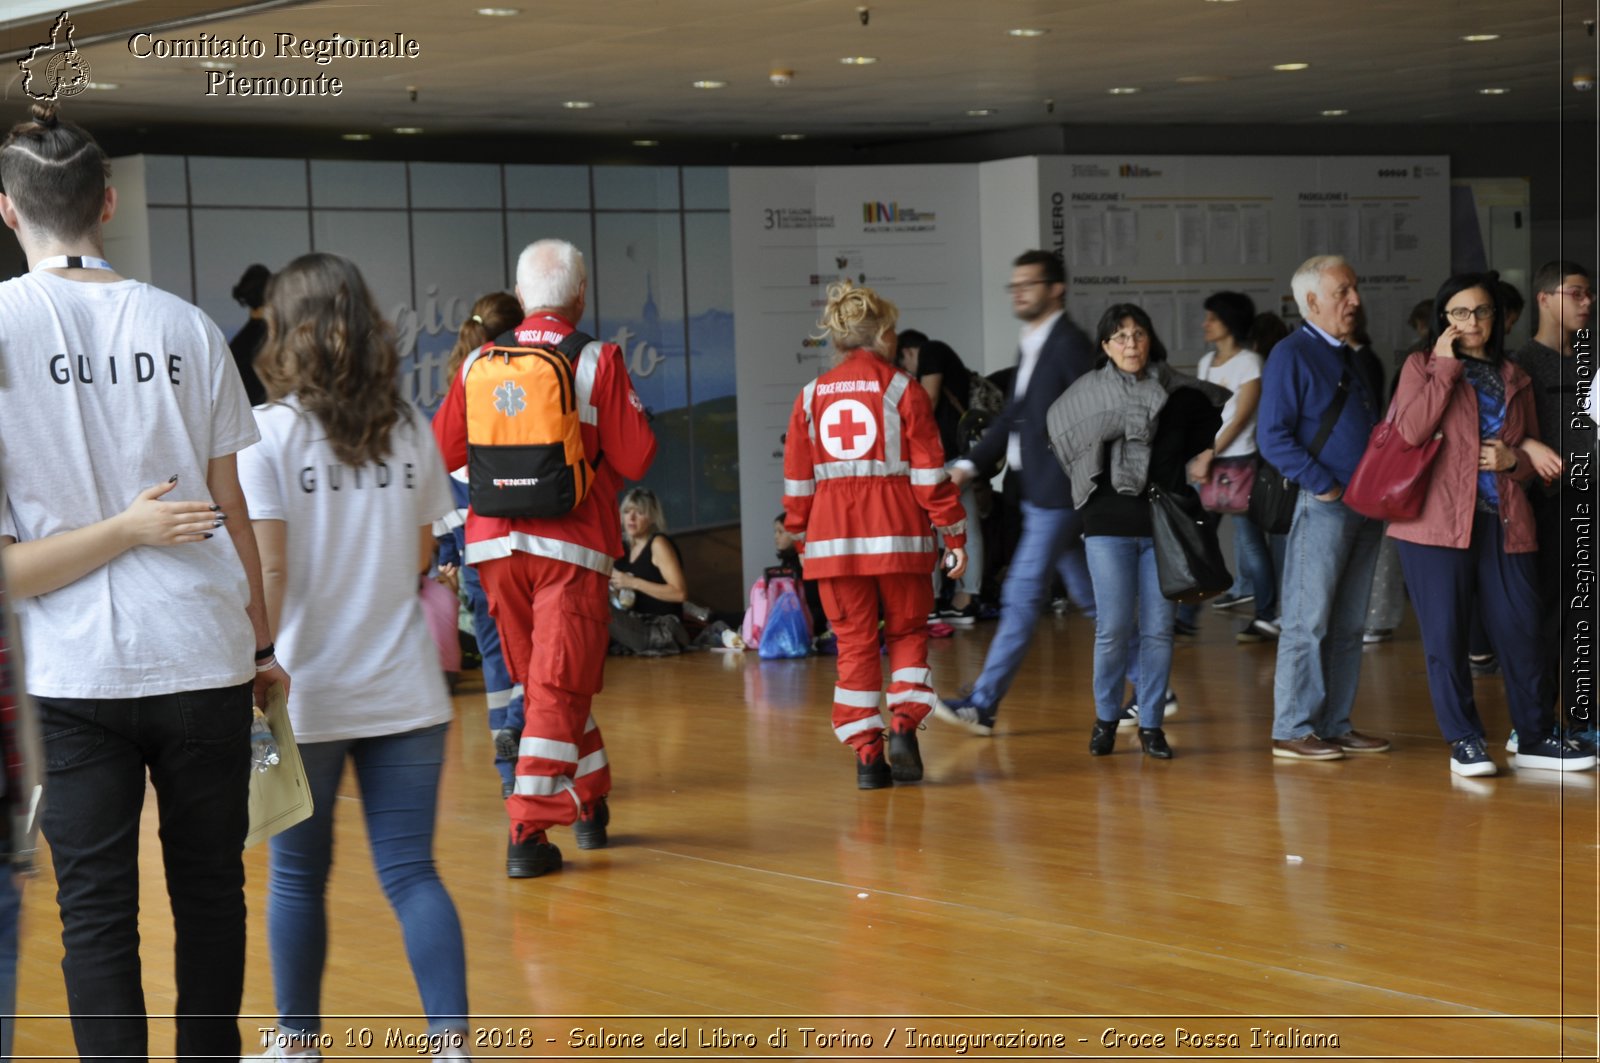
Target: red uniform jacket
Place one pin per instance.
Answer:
(1434, 395)
(614, 428)
(863, 473)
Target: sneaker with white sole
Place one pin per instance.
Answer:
(963, 617)
(279, 1052)
(1258, 630)
(1511, 742)
(1376, 635)
(1468, 757)
(1232, 601)
(964, 712)
(1555, 753)
(1129, 716)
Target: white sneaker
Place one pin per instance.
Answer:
(278, 1052)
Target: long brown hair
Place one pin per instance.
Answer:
(492, 314)
(55, 173)
(328, 345)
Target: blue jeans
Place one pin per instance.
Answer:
(10, 911)
(195, 745)
(1131, 609)
(399, 779)
(1327, 577)
(1051, 543)
(1254, 559)
(505, 700)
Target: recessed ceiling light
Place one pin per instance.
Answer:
(1202, 79)
(499, 12)
(1291, 66)
(791, 136)
(1493, 92)
(709, 84)
(859, 60)
(1335, 112)
(577, 105)
(355, 136)
(980, 112)
(103, 85)
(646, 143)
(1026, 32)
(1478, 38)
(408, 130)
(212, 64)
(1123, 90)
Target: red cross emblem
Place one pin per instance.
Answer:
(848, 429)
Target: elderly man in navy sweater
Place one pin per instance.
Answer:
(1316, 412)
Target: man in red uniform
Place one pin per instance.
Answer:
(864, 485)
(546, 578)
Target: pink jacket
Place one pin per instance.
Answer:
(1435, 395)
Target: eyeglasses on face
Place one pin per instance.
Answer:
(1129, 339)
(1582, 295)
(1021, 286)
(1463, 313)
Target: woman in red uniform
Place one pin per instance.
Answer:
(864, 486)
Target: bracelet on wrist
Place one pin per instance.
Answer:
(267, 665)
(266, 652)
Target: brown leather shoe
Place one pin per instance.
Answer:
(1308, 748)
(1356, 742)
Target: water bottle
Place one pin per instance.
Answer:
(263, 748)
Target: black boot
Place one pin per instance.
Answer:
(872, 771)
(1103, 739)
(905, 759)
(1154, 742)
(532, 856)
(590, 830)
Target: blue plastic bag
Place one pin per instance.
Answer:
(788, 630)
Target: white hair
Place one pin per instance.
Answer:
(1308, 278)
(550, 275)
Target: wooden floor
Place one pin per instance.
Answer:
(1025, 891)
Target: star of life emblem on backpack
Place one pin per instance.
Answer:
(508, 399)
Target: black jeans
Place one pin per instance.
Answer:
(196, 747)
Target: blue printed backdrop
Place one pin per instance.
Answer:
(432, 237)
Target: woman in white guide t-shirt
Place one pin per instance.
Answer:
(343, 490)
(1229, 316)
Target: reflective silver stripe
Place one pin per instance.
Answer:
(459, 475)
(856, 699)
(592, 763)
(583, 372)
(798, 537)
(451, 520)
(922, 677)
(877, 544)
(588, 725)
(929, 477)
(543, 786)
(497, 699)
(516, 691)
(806, 395)
(548, 749)
(958, 528)
(871, 723)
(799, 488)
(834, 470)
(543, 546)
(922, 697)
(891, 417)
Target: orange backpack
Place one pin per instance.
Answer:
(525, 455)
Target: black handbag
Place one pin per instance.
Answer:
(1189, 561)
(1273, 496)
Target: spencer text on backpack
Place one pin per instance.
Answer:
(525, 455)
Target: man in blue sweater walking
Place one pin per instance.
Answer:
(1316, 413)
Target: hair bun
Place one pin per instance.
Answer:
(46, 114)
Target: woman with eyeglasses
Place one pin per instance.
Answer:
(1131, 423)
(1475, 536)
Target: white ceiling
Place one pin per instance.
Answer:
(1383, 61)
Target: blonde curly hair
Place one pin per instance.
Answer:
(858, 317)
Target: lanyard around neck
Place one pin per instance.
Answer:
(74, 262)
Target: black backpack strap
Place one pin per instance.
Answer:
(574, 344)
(507, 338)
(1331, 417)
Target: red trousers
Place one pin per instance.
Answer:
(552, 617)
(851, 603)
